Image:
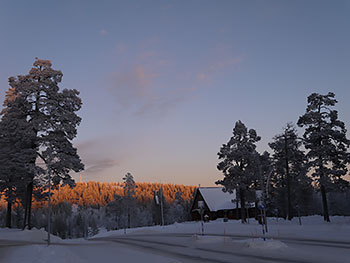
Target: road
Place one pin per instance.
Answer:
(181, 247)
(185, 247)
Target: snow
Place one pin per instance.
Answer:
(42, 254)
(269, 244)
(313, 227)
(216, 199)
(34, 235)
(183, 242)
(256, 243)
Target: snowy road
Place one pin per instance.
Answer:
(182, 248)
(176, 248)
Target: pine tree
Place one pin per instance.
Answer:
(240, 162)
(290, 177)
(326, 142)
(51, 118)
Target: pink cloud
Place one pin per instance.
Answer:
(218, 65)
(133, 85)
(202, 76)
(120, 48)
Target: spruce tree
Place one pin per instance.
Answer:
(240, 162)
(326, 142)
(129, 194)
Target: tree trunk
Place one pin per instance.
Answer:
(128, 217)
(25, 208)
(289, 203)
(324, 203)
(28, 206)
(8, 215)
(241, 194)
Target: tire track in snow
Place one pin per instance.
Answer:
(145, 244)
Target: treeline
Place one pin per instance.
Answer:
(83, 210)
(97, 194)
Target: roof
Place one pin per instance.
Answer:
(216, 199)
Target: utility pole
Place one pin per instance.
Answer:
(161, 205)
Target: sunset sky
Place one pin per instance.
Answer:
(163, 82)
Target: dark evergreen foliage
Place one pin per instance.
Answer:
(326, 142)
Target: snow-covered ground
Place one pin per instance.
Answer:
(313, 227)
(313, 241)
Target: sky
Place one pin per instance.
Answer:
(163, 82)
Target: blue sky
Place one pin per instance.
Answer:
(163, 82)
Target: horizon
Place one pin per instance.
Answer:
(164, 82)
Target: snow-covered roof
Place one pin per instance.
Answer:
(216, 199)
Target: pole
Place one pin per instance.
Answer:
(202, 223)
(49, 212)
(263, 189)
(262, 223)
(265, 220)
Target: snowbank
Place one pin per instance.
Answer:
(34, 235)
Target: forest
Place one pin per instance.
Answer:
(80, 211)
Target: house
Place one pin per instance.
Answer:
(218, 204)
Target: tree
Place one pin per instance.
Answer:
(290, 177)
(326, 142)
(15, 151)
(239, 163)
(129, 193)
(50, 116)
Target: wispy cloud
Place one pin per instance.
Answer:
(120, 48)
(100, 165)
(96, 163)
(147, 81)
(218, 65)
(134, 85)
(141, 90)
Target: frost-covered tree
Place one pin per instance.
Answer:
(129, 194)
(15, 151)
(240, 162)
(290, 171)
(176, 211)
(326, 142)
(50, 116)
